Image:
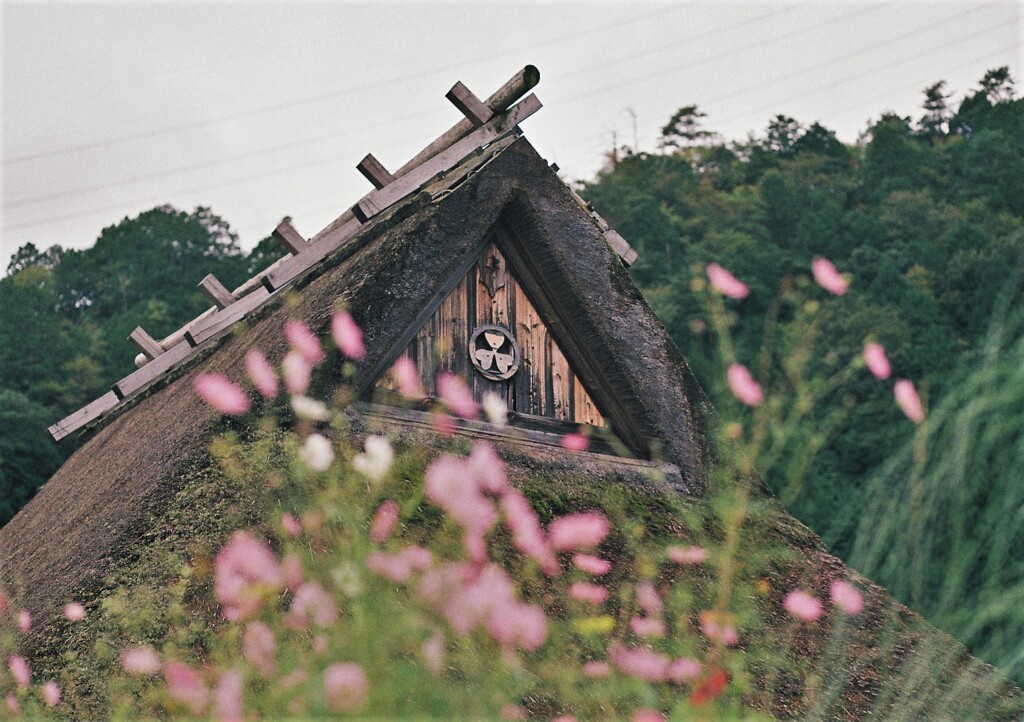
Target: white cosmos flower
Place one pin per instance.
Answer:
(311, 409)
(495, 409)
(316, 453)
(377, 458)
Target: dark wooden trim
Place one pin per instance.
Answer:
(146, 343)
(374, 171)
(286, 235)
(468, 104)
(83, 416)
(217, 291)
(566, 336)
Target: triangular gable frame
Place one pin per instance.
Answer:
(508, 235)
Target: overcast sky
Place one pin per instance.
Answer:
(262, 110)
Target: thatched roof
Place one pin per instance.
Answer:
(125, 487)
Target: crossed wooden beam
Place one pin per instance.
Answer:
(485, 122)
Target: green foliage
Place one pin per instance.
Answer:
(27, 456)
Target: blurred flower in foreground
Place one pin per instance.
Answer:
(687, 555)
(407, 378)
(74, 612)
(456, 395)
(51, 694)
(316, 453)
(376, 460)
(726, 283)
(846, 597)
(875, 358)
(223, 395)
(140, 661)
(302, 340)
(345, 687)
(908, 400)
(743, 386)
(826, 275)
(575, 442)
(19, 670)
(261, 373)
(347, 335)
(802, 605)
(184, 685)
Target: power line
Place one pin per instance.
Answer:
(342, 92)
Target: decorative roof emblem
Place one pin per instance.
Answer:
(493, 352)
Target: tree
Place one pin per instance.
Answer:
(997, 84)
(683, 129)
(28, 457)
(937, 113)
(782, 135)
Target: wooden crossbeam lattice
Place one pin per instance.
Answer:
(486, 122)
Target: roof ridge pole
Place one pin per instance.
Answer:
(515, 88)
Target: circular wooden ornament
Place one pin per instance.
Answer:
(493, 351)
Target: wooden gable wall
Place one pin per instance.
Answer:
(545, 385)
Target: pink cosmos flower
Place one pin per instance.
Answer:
(684, 670)
(527, 535)
(142, 661)
(311, 603)
(826, 275)
(513, 711)
(227, 704)
(640, 662)
(297, 373)
(456, 395)
(400, 567)
(592, 564)
(589, 593)
(646, 714)
(74, 612)
(649, 599)
(597, 669)
(908, 400)
(564, 718)
(345, 686)
(878, 364)
(12, 705)
(575, 442)
(717, 629)
(223, 395)
(261, 373)
(384, 522)
(184, 685)
(433, 654)
(578, 531)
(51, 694)
(802, 605)
(407, 378)
(487, 469)
(743, 386)
(303, 342)
(647, 627)
(687, 555)
(19, 670)
(290, 524)
(317, 453)
(726, 283)
(24, 621)
(451, 485)
(375, 461)
(517, 625)
(292, 571)
(259, 648)
(347, 335)
(846, 597)
(244, 570)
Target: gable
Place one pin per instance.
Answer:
(488, 332)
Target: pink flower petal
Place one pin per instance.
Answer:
(259, 648)
(24, 621)
(297, 373)
(684, 669)
(347, 335)
(303, 342)
(639, 662)
(19, 670)
(846, 597)
(228, 697)
(140, 661)
(828, 277)
(74, 612)
(223, 395)
(578, 531)
(407, 378)
(646, 714)
(743, 386)
(726, 283)
(647, 627)
(878, 364)
(908, 400)
(345, 687)
(51, 694)
(261, 373)
(456, 395)
(184, 685)
(290, 524)
(589, 593)
(687, 555)
(575, 442)
(591, 564)
(597, 669)
(802, 605)
(384, 522)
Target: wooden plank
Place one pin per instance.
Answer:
(314, 253)
(561, 383)
(499, 101)
(220, 321)
(532, 337)
(146, 343)
(287, 236)
(492, 288)
(620, 246)
(216, 290)
(469, 105)
(149, 373)
(374, 171)
(586, 409)
(83, 416)
(378, 201)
